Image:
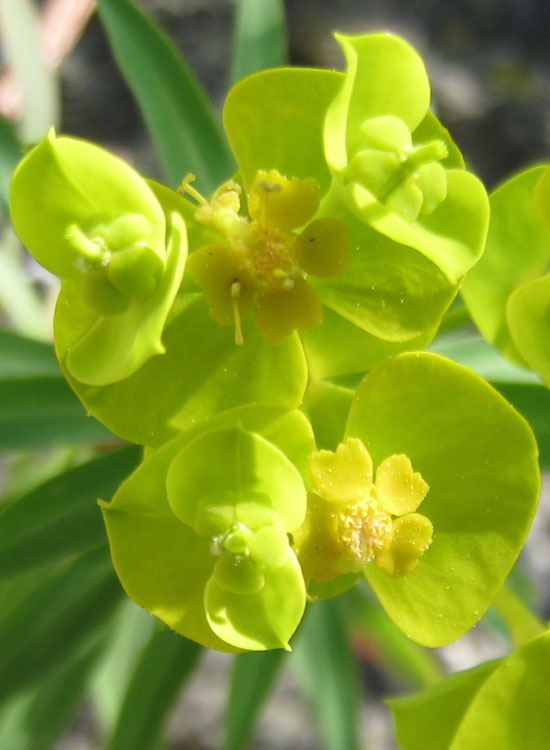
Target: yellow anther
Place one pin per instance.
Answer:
(270, 187)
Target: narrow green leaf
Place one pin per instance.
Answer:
(10, 153)
(37, 407)
(166, 662)
(58, 616)
(61, 517)
(251, 682)
(20, 300)
(174, 107)
(46, 712)
(39, 412)
(326, 668)
(400, 656)
(259, 39)
(522, 624)
(24, 357)
(129, 632)
(38, 85)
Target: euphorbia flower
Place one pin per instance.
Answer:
(429, 449)
(507, 293)
(387, 171)
(392, 162)
(199, 535)
(90, 219)
(263, 264)
(353, 521)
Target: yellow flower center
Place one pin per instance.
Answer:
(363, 529)
(353, 520)
(261, 262)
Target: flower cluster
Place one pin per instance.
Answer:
(222, 333)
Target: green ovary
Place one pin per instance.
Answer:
(353, 520)
(245, 551)
(408, 179)
(115, 263)
(261, 262)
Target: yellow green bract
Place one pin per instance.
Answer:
(93, 221)
(199, 537)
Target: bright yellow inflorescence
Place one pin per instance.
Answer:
(353, 520)
(261, 263)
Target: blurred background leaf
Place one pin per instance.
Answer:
(176, 110)
(252, 679)
(37, 407)
(327, 672)
(38, 86)
(11, 151)
(55, 619)
(259, 37)
(61, 518)
(166, 661)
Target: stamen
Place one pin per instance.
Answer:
(186, 187)
(235, 291)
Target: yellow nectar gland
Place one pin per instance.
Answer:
(260, 262)
(353, 520)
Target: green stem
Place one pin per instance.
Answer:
(522, 624)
